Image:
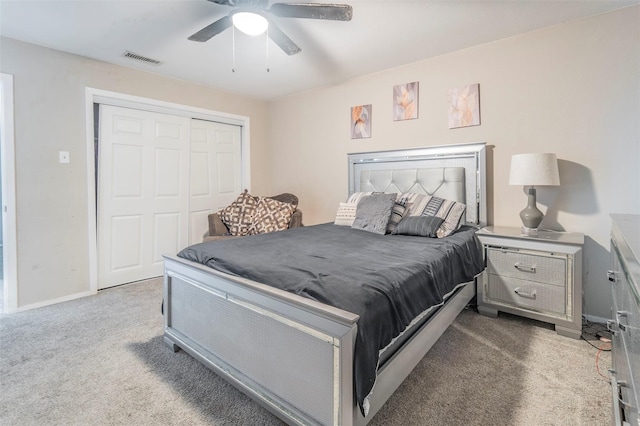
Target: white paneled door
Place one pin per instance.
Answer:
(215, 172)
(160, 176)
(142, 192)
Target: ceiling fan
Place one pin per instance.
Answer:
(258, 10)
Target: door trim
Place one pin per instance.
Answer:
(9, 236)
(129, 101)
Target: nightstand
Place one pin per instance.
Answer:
(534, 276)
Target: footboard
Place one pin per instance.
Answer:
(292, 355)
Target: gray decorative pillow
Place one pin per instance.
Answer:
(373, 213)
(419, 226)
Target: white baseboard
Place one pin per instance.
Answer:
(54, 301)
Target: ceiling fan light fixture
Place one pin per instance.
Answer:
(250, 23)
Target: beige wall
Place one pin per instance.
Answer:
(572, 89)
(49, 103)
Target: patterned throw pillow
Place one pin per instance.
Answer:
(415, 203)
(396, 216)
(271, 216)
(450, 211)
(238, 216)
(346, 214)
(373, 213)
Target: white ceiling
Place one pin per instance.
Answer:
(383, 34)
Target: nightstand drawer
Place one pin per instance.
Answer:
(527, 294)
(541, 268)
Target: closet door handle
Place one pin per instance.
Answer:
(525, 295)
(525, 268)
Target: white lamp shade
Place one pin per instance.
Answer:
(534, 170)
(250, 23)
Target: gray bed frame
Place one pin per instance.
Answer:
(293, 355)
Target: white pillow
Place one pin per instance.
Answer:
(356, 196)
(346, 214)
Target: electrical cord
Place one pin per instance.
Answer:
(599, 332)
(598, 359)
(595, 331)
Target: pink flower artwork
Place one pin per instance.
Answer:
(464, 106)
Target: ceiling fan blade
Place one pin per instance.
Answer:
(333, 12)
(210, 30)
(224, 2)
(282, 40)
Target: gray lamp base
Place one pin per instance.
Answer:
(529, 231)
(531, 216)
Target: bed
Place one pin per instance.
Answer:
(291, 347)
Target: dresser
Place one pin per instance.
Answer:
(624, 278)
(534, 276)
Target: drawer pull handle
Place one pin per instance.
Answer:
(525, 295)
(611, 276)
(619, 316)
(525, 268)
(616, 400)
(626, 404)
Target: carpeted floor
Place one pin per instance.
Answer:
(100, 360)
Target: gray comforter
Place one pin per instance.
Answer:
(387, 280)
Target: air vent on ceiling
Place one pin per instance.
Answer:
(141, 58)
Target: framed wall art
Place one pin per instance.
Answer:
(361, 121)
(405, 101)
(464, 106)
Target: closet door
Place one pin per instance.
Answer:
(215, 172)
(143, 192)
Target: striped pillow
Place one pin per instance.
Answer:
(346, 214)
(413, 202)
(450, 211)
(396, 216)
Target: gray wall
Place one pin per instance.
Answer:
(572, 89)
(49, 108)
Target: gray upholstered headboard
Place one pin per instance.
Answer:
(443, 182)
(454, 172)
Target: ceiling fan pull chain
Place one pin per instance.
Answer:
(233, 49)
(266, 37)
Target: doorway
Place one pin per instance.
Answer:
(8, 261)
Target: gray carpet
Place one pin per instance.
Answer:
(100, 360)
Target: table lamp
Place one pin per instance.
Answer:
(533, 170)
